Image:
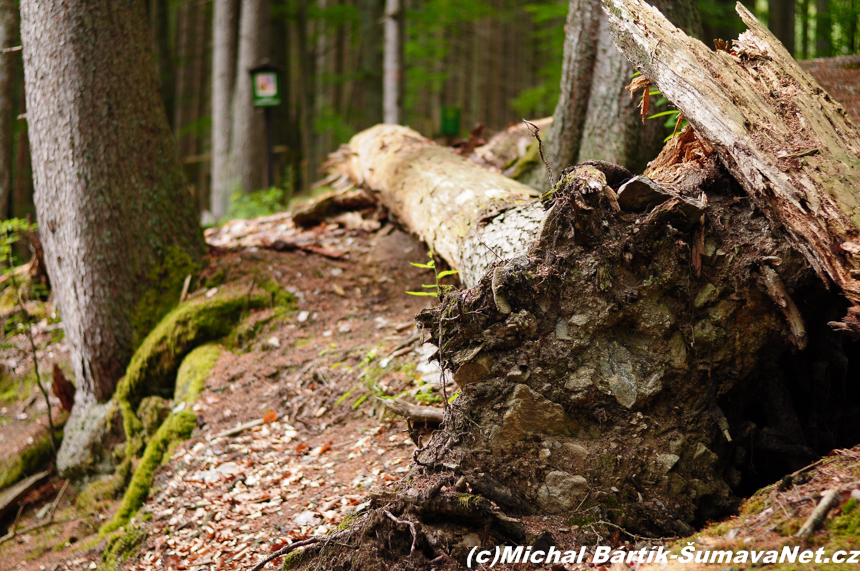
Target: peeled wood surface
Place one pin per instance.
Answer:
(787, 142)
(442, 197)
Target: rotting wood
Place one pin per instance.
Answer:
(449, 202)
(764, 116)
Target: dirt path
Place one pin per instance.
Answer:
(228, 501)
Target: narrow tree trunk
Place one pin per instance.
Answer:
(224, 47)
(306, 97)
(111, 198)
(391, 64)
(580, 53)
(247, 136)
(781, 22)
(823, 29)
(370, 15)
(8, 61)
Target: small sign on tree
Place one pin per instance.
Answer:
(265, 80)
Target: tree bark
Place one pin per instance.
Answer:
(8, 63)
(111, 199)
(391, 64)
(440, 196)
(224, 47)
(823, 29)
(247, 135)
(580, 53)
(595, 118)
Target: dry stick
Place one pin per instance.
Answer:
(828, 500)
(293, 546)
(57, 501)
(411, 528)
(11, 535)
(540, 150)
(35, 359)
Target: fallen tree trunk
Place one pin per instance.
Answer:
(780, 135)
(450, 203)
(639, 363)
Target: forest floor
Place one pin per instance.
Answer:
(313, 378)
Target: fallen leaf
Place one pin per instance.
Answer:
(270, 416)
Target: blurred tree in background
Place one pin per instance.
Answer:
(492, 61)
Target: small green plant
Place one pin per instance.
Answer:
(10, 233)
(256, 204)
(436, 288)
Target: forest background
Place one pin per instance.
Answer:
(482, 61)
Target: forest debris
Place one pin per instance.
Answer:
(828, 500)
(239, 428)
(414, 412)
(331, 204)
(10, 496)
(641, 82)
(780, 296)
(63, 389)
(750, 123)
(641, 194)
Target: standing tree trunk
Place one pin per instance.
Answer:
(8, 35)
(113, 207)
(823, 29)
(595, 118)
(247, 137)
(391, 64)
(781, 22)
(224, 38)
(580, 51)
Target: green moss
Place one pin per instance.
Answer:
(152, 412)
(27, 461)
(121, 547)
(104, 490)
(163, 288)
(846, 524)
(177, 427)
(195, 367)
(154, 365)
(294, 558)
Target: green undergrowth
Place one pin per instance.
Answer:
(176, 428)
(153, 367)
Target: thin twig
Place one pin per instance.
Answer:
(540, 150)
(33, 350)
(57, 501)
(11, 534)
(411, 528)
(293, 546)
(11, 50)
(828, 500)
(493, 252)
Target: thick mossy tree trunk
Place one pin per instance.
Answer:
(117, 222)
